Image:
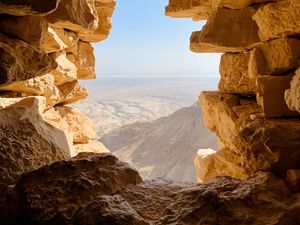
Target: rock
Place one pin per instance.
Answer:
(91, 146)
(235, 78)
(293, 179)
(85, 61)
(104, 10)
(82, 128)
(271, 95)
(219, 34)
(77, 15)
(277, 57)
(20, 61)
(36, 103)
(195, 9)
(279, 19)
(71, 92)
(28, 142)
(261, 144)
(28, 7)
(75, 182)
(239, 4)
(261, 199)
(210, 164)
(65, 71)
(109, 210)
(292, 95)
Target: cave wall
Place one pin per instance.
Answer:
(255, 113)
(46, 48)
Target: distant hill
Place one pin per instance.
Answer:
(165, 147)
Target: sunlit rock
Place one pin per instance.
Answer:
(85, 61)
(280, 19)
(71, 92)
(292, 95)
(91, 146)
(227, 31)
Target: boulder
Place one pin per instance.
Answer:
(20, 61)
(219, 34)
(235, 78)
(270, 95)
(91, 146)
(279, 19)
(71, 92)
(277, 57)
(74, 184)
(104, 10)
(27, 7)
(293, 179)
(292, 95)
(28, 142)
(76, 15)
(36, 103)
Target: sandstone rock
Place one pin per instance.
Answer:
(195, 9)
(293, 179)
(27, 143)
(277, 57)
(36, 103)
(270, 95)
(234, 74)
(109, 210)
(91, 146)
(71, 92)
(74, 184)
(280, 19)
(260, 143)
(20, 61)
(292, 95)
(210, 164)
(66, 71)
(82, 127)
(85, 61)
(219, 34)
(104, 10)
(239, 4)
(76, 15)
(261, 199)
(27, 7)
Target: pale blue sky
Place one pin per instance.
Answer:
(144, 42)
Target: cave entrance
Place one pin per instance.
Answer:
(146, 91)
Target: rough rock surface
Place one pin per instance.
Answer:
(292, 95)
(91, 146)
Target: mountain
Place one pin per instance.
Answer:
(165, 147)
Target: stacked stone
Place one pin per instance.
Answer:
(45, 49)
(255, 112)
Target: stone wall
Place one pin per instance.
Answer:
(45, 49)
(255, 113)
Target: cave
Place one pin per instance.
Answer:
(53, 172)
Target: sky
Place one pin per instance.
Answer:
(144, 42)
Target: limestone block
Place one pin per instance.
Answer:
(292, 95)
(85, 61)
(27, 7)
(36, 103)
(75, 15)
(279, 19)
(293, 179)
(227, 31)
(239, 4)
(277, 57)
(82, 128)
(71, 92)
(20, 61)
(205, 165)
(75, 183)
(27, 142)
(91, 146)
(234, 74)
(66, 71)
(270, 95)
(39, 34)
(104, 11)
(195, 9)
